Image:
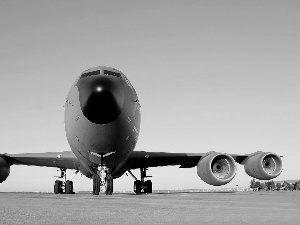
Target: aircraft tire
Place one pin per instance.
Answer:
(148, 184)
(96, 184)
(137, 186)
(57, 187)
(109, 185)
(69, 187)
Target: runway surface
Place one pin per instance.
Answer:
(165, 208)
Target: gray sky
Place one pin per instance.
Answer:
(210, 75)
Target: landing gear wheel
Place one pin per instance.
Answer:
(137, 186)
(148, 185)
(69, 187)
(96, 184)
(109, 185)
(58, 187)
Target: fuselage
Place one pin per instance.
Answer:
(102, 119)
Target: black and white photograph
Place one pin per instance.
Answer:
(149, 112)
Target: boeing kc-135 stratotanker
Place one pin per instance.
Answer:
(102, 123)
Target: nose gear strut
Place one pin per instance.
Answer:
(102, 179)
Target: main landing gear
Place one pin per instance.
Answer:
(63, 186)
(142, 186)
(103, 178)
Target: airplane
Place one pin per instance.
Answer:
(102, 124)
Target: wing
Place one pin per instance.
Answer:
(65, 159)
(141, 159)
(212, 167)
(138, 159)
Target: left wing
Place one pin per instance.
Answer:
(212, 167)
(141, 159)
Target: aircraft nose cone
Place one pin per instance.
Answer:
(101, 98)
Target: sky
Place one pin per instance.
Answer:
(210, 76)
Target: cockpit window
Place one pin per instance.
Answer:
(108, 72)
(98, 72)
(87, 74)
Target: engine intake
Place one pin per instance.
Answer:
(216, 169)
(263, 165)
(4, 169)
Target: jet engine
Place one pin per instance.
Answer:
(216, 169)
(263, 165)
(4, 169)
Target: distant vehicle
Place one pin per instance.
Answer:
(102, 124)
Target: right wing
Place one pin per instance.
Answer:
(65, 159)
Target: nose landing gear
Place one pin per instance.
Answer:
(104, 179)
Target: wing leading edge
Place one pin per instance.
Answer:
(141, 159)
(212, 167)
(65, 159)
(138, 159)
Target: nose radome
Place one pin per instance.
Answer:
(101, 98)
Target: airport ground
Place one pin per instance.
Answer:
(271, 207)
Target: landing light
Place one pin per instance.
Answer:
(99, 89)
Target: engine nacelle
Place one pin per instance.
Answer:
(263, 165)
(216, 169)
(4, 169)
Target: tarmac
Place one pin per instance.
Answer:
(272, 207)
